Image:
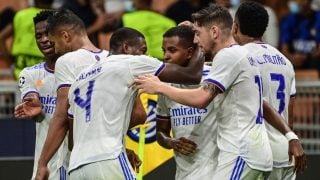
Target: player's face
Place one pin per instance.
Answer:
(41, 35)
(139, 48)
(175, 52)
(203, 37)
(61, 45)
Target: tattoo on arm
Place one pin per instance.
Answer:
(213, 90)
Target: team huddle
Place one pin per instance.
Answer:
(230, 119)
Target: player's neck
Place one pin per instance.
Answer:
(247, 39)
(85, 43)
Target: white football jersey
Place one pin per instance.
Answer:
(38, 79)
(240, 127)
(69, 66)
(101, 104)
(278, 81)
(197, 125)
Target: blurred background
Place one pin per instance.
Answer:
(294, 28)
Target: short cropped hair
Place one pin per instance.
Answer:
(42, 16)
(185, 34)
(214, 14)
(65, 18)
(122, 35)
(252, 18)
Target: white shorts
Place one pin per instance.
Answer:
(285, 173)
(113, 169)
(238, 169)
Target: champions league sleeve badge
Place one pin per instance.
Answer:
(22, 80)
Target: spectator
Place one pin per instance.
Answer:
(92, 13)
(181, 10)
(300, 35)
(24, 50)
(151, 24)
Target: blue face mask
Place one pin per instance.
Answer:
(294, 7)
(235, 3)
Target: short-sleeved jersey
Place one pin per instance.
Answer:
(278, 81)
(101, 104)
(240, 127)
(197, 125)
(69, 66)
(38, 79)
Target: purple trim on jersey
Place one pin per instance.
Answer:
(231, 45)
(260, 42)
(216, 83)
(162, 117)
(160, 69)
(30, 93)
(63, 85)
(70, 115)
(47, 69)
(293, 95)
(98, 52)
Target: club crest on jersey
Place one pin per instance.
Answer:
(151, 129)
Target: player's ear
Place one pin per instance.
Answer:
(214, 31)
(66, 36)
(190, 52)
(125, 48)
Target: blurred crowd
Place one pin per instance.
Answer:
(294, 26)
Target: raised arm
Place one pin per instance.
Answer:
(190, 74)
(4, 35)
(57, 131)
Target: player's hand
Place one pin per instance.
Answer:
(42, 173)
(296, 152)
(183, 145)
(186, 23)
(30, 107)
(148, 83)
(133, 159)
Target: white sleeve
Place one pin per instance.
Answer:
(71, 104)
(162, 110)
(26, 83)
(63, 73)
(293, 87)
(145, 65)
(224, 70)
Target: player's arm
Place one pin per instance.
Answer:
(163, 127)
(295, 148)
(4, 35)
(57, 131)
(190, 74)
(182, 144)
(138, 115)
(290, 117)
(70, 134)
(199, 98)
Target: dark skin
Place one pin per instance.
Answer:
(268, 111)
(31, 106)
(176, 52)
(66, 40)
(202, 96)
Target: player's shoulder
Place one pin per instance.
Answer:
(33, 69)
(232, 53)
